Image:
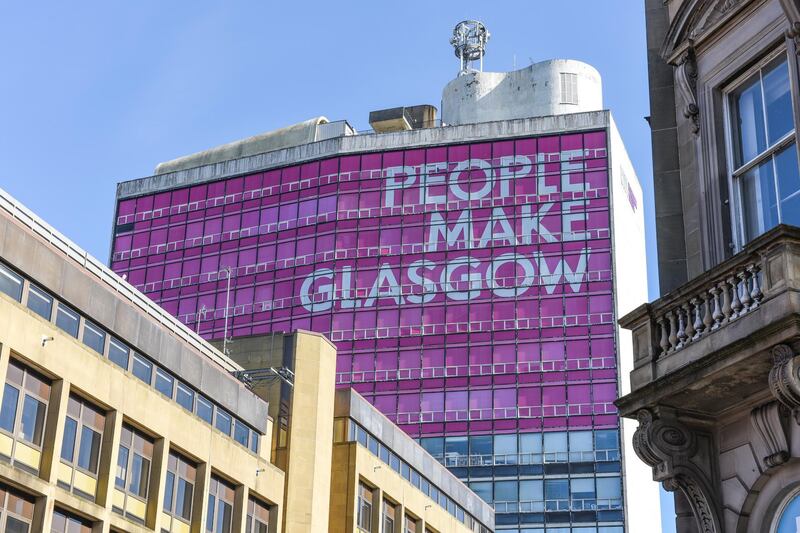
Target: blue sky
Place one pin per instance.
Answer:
(92, 93)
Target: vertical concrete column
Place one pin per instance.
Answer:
(158, 480)
(239, 509)
(200, 497)
(377, 510)
(54, 430)
(310, 442)
(112, 433)
(400, 518)
(43, 513)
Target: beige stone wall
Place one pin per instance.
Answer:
(353, 464)
(75, 368)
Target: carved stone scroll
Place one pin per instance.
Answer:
(792, 10)
(783, 378)
(768, 422)
(669, 447)
(686, 82)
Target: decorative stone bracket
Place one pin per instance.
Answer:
(686, 80)
(675, 453)
(784, 381)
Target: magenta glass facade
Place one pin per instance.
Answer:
(468, 288)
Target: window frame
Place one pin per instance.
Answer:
(251, 518)
(735, 173)
(22, 393)
(5, 510)
(175, 470)
(131, 451)
(73, 462)
(214, 498)
(365, 504)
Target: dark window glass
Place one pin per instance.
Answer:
(205, 409)
(241, 433)
(70, 435)
(8, 411)
(10, 283)
(32, 422)
(94, 337)
(89, 453)
(223, 422)
(169, 489)
(40, 302)
(164, 383)
(67, 319)
(142, 368)
(122, 467)
(118, 353)
(185, 397)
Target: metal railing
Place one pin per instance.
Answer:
(112, 281)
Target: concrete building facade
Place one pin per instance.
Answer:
(715, 382)
(467, 275)
(115, 417)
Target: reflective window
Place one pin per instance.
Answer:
(223, 421)
(10, 283)
(94, 337)
(142, 368)
(16, 510)
(364, 518)
(219, 517)
(24, 410)
(205, 409)
(40, 302)
(257, 516)
(185, 397)
(67, 319)
(133, 466)
(766, 173)
(118, 353)
(179, 488)
(64, 522)
(164, 383)
(83, 436)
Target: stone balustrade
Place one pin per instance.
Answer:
(685, 324)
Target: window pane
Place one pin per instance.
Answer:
(223, 422)
(89, 452)
(749, 121)
(778, 99)
(224, 516)
(210, 513)
(609, 488)
(68, 444)
(183, 502)
(556, 489)
(94, 337)
(169, 487)
(32, 420)
(483, 489)
(505, 449)
(185, 397)
(205, 409)
(40, 302)
(241, 433)
(10, 283)
(788, 184)
(140, 475)
(122, 467)
(142, 368)
(67, 319)
(118, 353)
(164, 383)
(758, 200)
(505, 491)
(16, 526)
(530, 490)
(8, 411)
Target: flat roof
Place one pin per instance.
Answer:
(364, 143)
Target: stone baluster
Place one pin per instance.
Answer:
(699, 326)
(745, 293)
(664, 342)
(708, 318)
(681, 329)
(736, 304)
(673, 331)
(755, 292)
(687, 310)
(716, 314)
(726, 301)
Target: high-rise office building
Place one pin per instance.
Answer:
(469, 270)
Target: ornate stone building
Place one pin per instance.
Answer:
(715, 385)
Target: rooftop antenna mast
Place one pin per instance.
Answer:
(469, 41)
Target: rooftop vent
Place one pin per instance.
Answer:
(403, 118)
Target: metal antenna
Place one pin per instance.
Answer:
(227, 305)
(469, 41)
